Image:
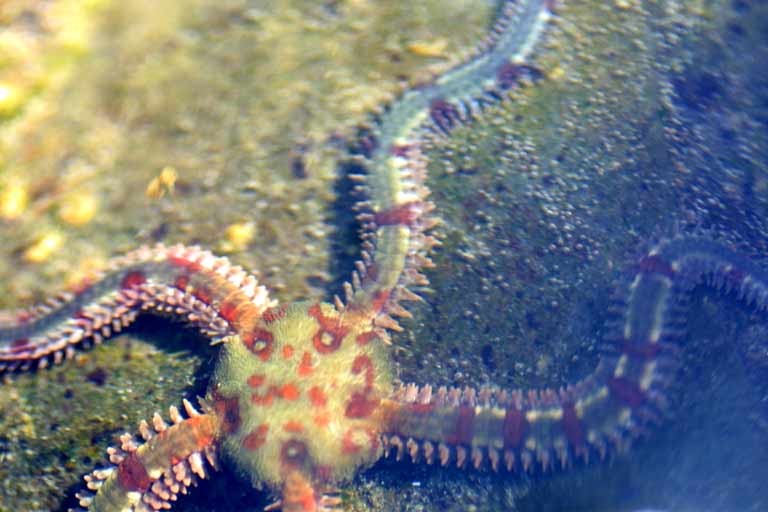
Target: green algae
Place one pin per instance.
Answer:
(247, 104)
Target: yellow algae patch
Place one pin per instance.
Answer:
(44, 247)
(14, 199)
(164, 183)
(86, 272)
(557, 73)
(79, 209)
(434, 48)
(11, 99)
(238, 236)
(75, 23)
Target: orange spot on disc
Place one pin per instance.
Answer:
(287, 352)
(322, 419)
(293, 427)
(305, 366)
(289, 392)
(360, 406)
(259, 341)
(317, 397)
(264, 399)
(272, 314)
(256, 380)
(328, 338)
(366, 337)
(364, 363)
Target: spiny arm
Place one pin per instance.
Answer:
(149, 472)
(182, 282)
(396, 216)
(524, 430)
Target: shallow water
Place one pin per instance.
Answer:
(650, 118)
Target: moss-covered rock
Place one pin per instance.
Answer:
(649, 115)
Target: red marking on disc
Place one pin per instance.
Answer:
(256, 439)
(256, 380)
(132, 475)
(273, 314)
(227, 411)
(364, 363)
(317, 396)
(626, 391)
(190, 266)
(293, 453)
(264, 399)
(259, 341)
(405, 214)
(133, 280)
(322, 419)
(287, 351)
(654, 264)
(328, 338)
(289, 392)
(572, 426)
(444, 114)
(181, 282)
(365, 337)
(360, 406)
(515, 428)
(464, 429)
(294, 427)
(305, 366)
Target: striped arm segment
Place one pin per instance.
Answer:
(181, 282)
(151, 470)
(525, 430)
(300, 495)
(396, 215)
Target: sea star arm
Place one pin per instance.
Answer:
(523, 430)
(182, 282)
(396, 215)
(150, 470)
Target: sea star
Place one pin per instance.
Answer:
(303, 398)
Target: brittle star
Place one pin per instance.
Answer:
(303, 396)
